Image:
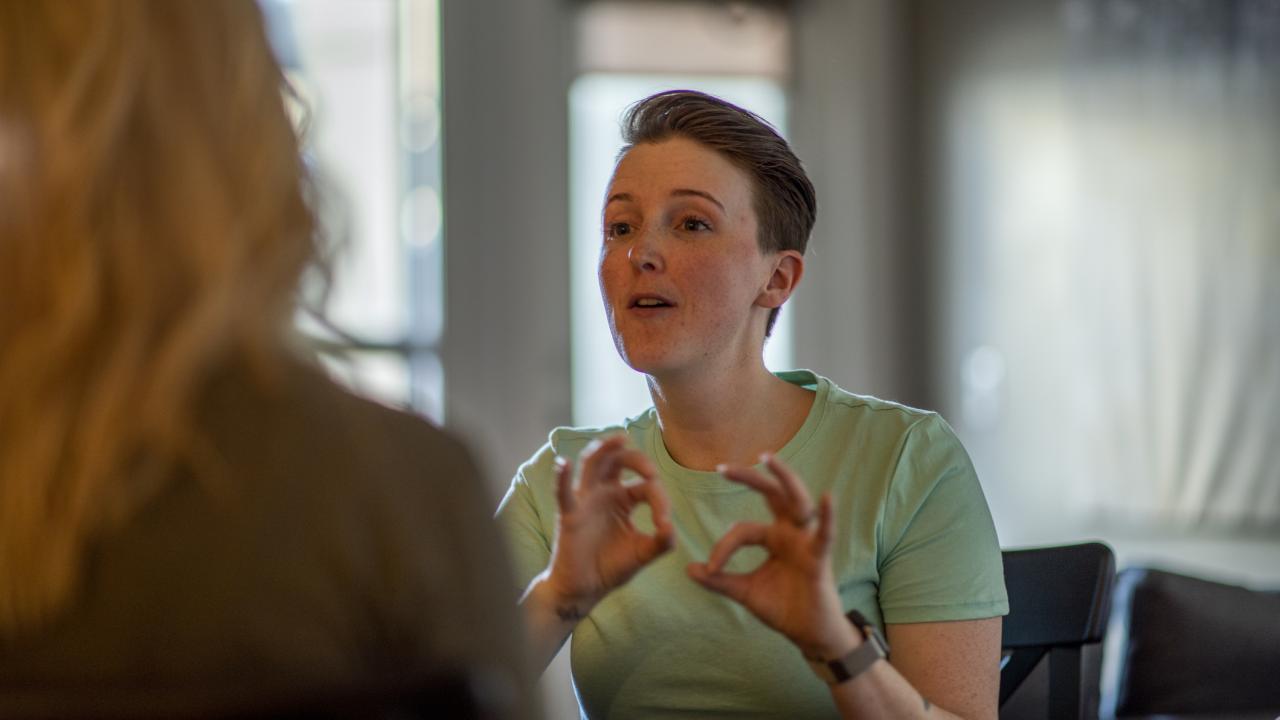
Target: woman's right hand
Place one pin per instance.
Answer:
(597, 547)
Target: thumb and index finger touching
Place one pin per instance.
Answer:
(788, 500)
(602, 464)
(781, 487)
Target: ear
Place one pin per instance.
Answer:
(788, 268)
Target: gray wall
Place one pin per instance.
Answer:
(506, 341)
(862, 308)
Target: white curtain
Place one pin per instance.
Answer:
(1175, 107)
(1114, 204)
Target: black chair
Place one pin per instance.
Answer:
(1194, 647)
(1059, 601)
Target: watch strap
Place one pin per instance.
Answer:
(857, 660)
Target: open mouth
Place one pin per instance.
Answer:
(650, 301)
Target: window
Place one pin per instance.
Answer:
(368, 74)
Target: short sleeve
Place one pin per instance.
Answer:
(939, 555)
(528, 538)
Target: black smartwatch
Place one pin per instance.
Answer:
(873, 648)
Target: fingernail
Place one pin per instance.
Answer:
(764, 457)
(722, 467)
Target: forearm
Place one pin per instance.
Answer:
(549, 619)
(937, 670)
(887, 690)
(882, 692)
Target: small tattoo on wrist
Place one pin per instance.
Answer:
(568, 613)
(926, 703)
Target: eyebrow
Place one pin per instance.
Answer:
(678, 192)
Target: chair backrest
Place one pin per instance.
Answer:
(1059, 602)
(1195, 646)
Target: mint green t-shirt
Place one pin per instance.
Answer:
(914, 543)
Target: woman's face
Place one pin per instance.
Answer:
(681, 271)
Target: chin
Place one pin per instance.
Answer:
(643, 365)
(645, 362)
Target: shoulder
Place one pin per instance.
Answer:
(570, 442)
(379, 427)
(881, 430)
(889, 455)
(890, 416)
(298, 423)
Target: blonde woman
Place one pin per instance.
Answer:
(182, 502)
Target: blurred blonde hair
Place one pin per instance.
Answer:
(154, 225)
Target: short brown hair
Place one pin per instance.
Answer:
(784, 200)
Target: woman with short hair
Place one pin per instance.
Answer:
(706, 548)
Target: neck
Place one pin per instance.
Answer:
(727, 417)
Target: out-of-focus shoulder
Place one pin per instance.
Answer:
(569, 442)
(304, 419)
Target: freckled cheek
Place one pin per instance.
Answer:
(609, 275)
(715, 286)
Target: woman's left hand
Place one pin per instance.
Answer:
(794, 590)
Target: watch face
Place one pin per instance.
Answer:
(873, 636)
(869, 632)
(872, 649)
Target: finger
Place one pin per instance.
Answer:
(599, 460)
(637, 462)
(758, 481)
(731, 585)
(660, 507)
(741, 534)
(564, 485)
(651, 493)
(826, 525)
(652, 546)
(800, 504)
(649, 547)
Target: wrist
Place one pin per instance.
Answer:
(838, 641)
(848, 665)
(568, 606)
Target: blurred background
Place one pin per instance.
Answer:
(1055, 221)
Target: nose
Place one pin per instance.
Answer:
(645, 253)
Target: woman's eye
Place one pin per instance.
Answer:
(694, 225)
(618, 229)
